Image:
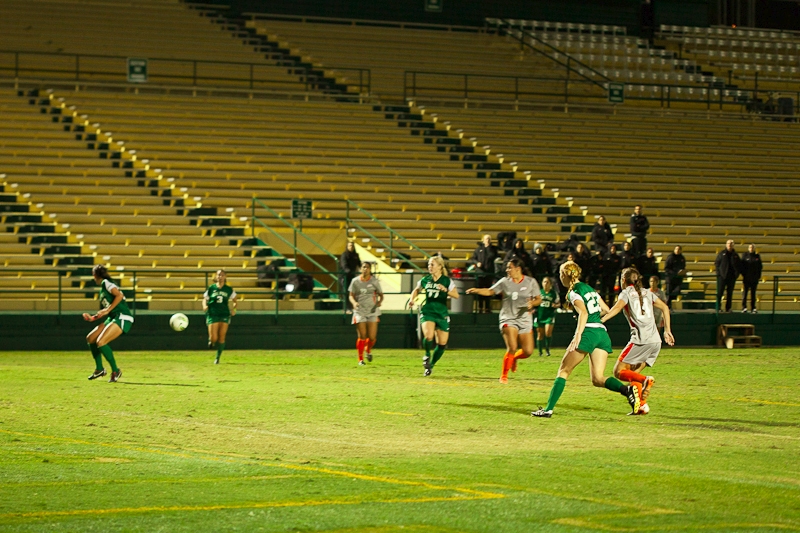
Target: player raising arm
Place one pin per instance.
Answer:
(520, 297)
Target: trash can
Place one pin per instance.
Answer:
(463, 280)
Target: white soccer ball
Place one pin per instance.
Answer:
(179, 322)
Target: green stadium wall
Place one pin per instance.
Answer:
(49, 332)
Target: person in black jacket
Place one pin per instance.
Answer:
(674, 270)
(542, 264)
(596, 266)
(349, 268)
(582, 258)
(483, 258)
(522, 254)
(639, 227)
(626, 259)
(728, 265)
(602, 236)
(647, 267)
(611, 269)
(751, 275)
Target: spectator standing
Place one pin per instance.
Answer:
(602, 236)
(522, 254)
(626, 260)
(639, 228)
(483, 258)
(728, 266)
(542, 264)
(349, 267)
(751, 275)
(674, 270)
(647, 267)
(611, 269)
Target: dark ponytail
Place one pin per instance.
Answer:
(99, 271)
(519, 263)
(631, 276)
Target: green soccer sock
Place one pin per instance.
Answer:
(438, 353)
(220, 347)
(555, 393)
(109, 355)
(547, 343)
(615, 385)
(428, 345)
(98, 358)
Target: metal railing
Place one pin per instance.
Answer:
(776, 289)
(192, 72)
(257, 203)
(395, 256)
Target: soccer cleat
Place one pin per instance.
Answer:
(754, 311)
(210, 344)
(504, 380)
(216, 360)
(744, 310)
(542, 413)
(540, 353)
(115, 376)
(362, 363)
(427, 372)
(369, 357)
(649, 381)
(634, 397)
(98, 374)
(425, 361)
(548, 353)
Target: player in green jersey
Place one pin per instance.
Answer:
(591, 338)
(434, 319)
(118, 321)
(216, 302)
(546, 315)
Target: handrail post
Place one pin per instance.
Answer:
(566, 82)
(59, 295)
(253, 218)
(134, 294)
(414, 84)
(775, 282)
(405, 86)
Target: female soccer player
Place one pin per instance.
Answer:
(639, 305)
(591, 338)
(433, 316)
(520, 296)
(118, 321)
(366, 295)
(546, 315)
(218, 313)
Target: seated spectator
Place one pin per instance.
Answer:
(602, 236)
(647, 267)
(582, 258)
(542, 266)
(519, 252)
(611, 269)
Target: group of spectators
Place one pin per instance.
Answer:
(601, 266)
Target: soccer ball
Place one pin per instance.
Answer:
(179, 322)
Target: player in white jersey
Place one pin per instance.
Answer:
(638, 304)
(366, 295)
(521, 295)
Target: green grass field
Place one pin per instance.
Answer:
(297, 441)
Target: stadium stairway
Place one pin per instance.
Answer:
(98, 203)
